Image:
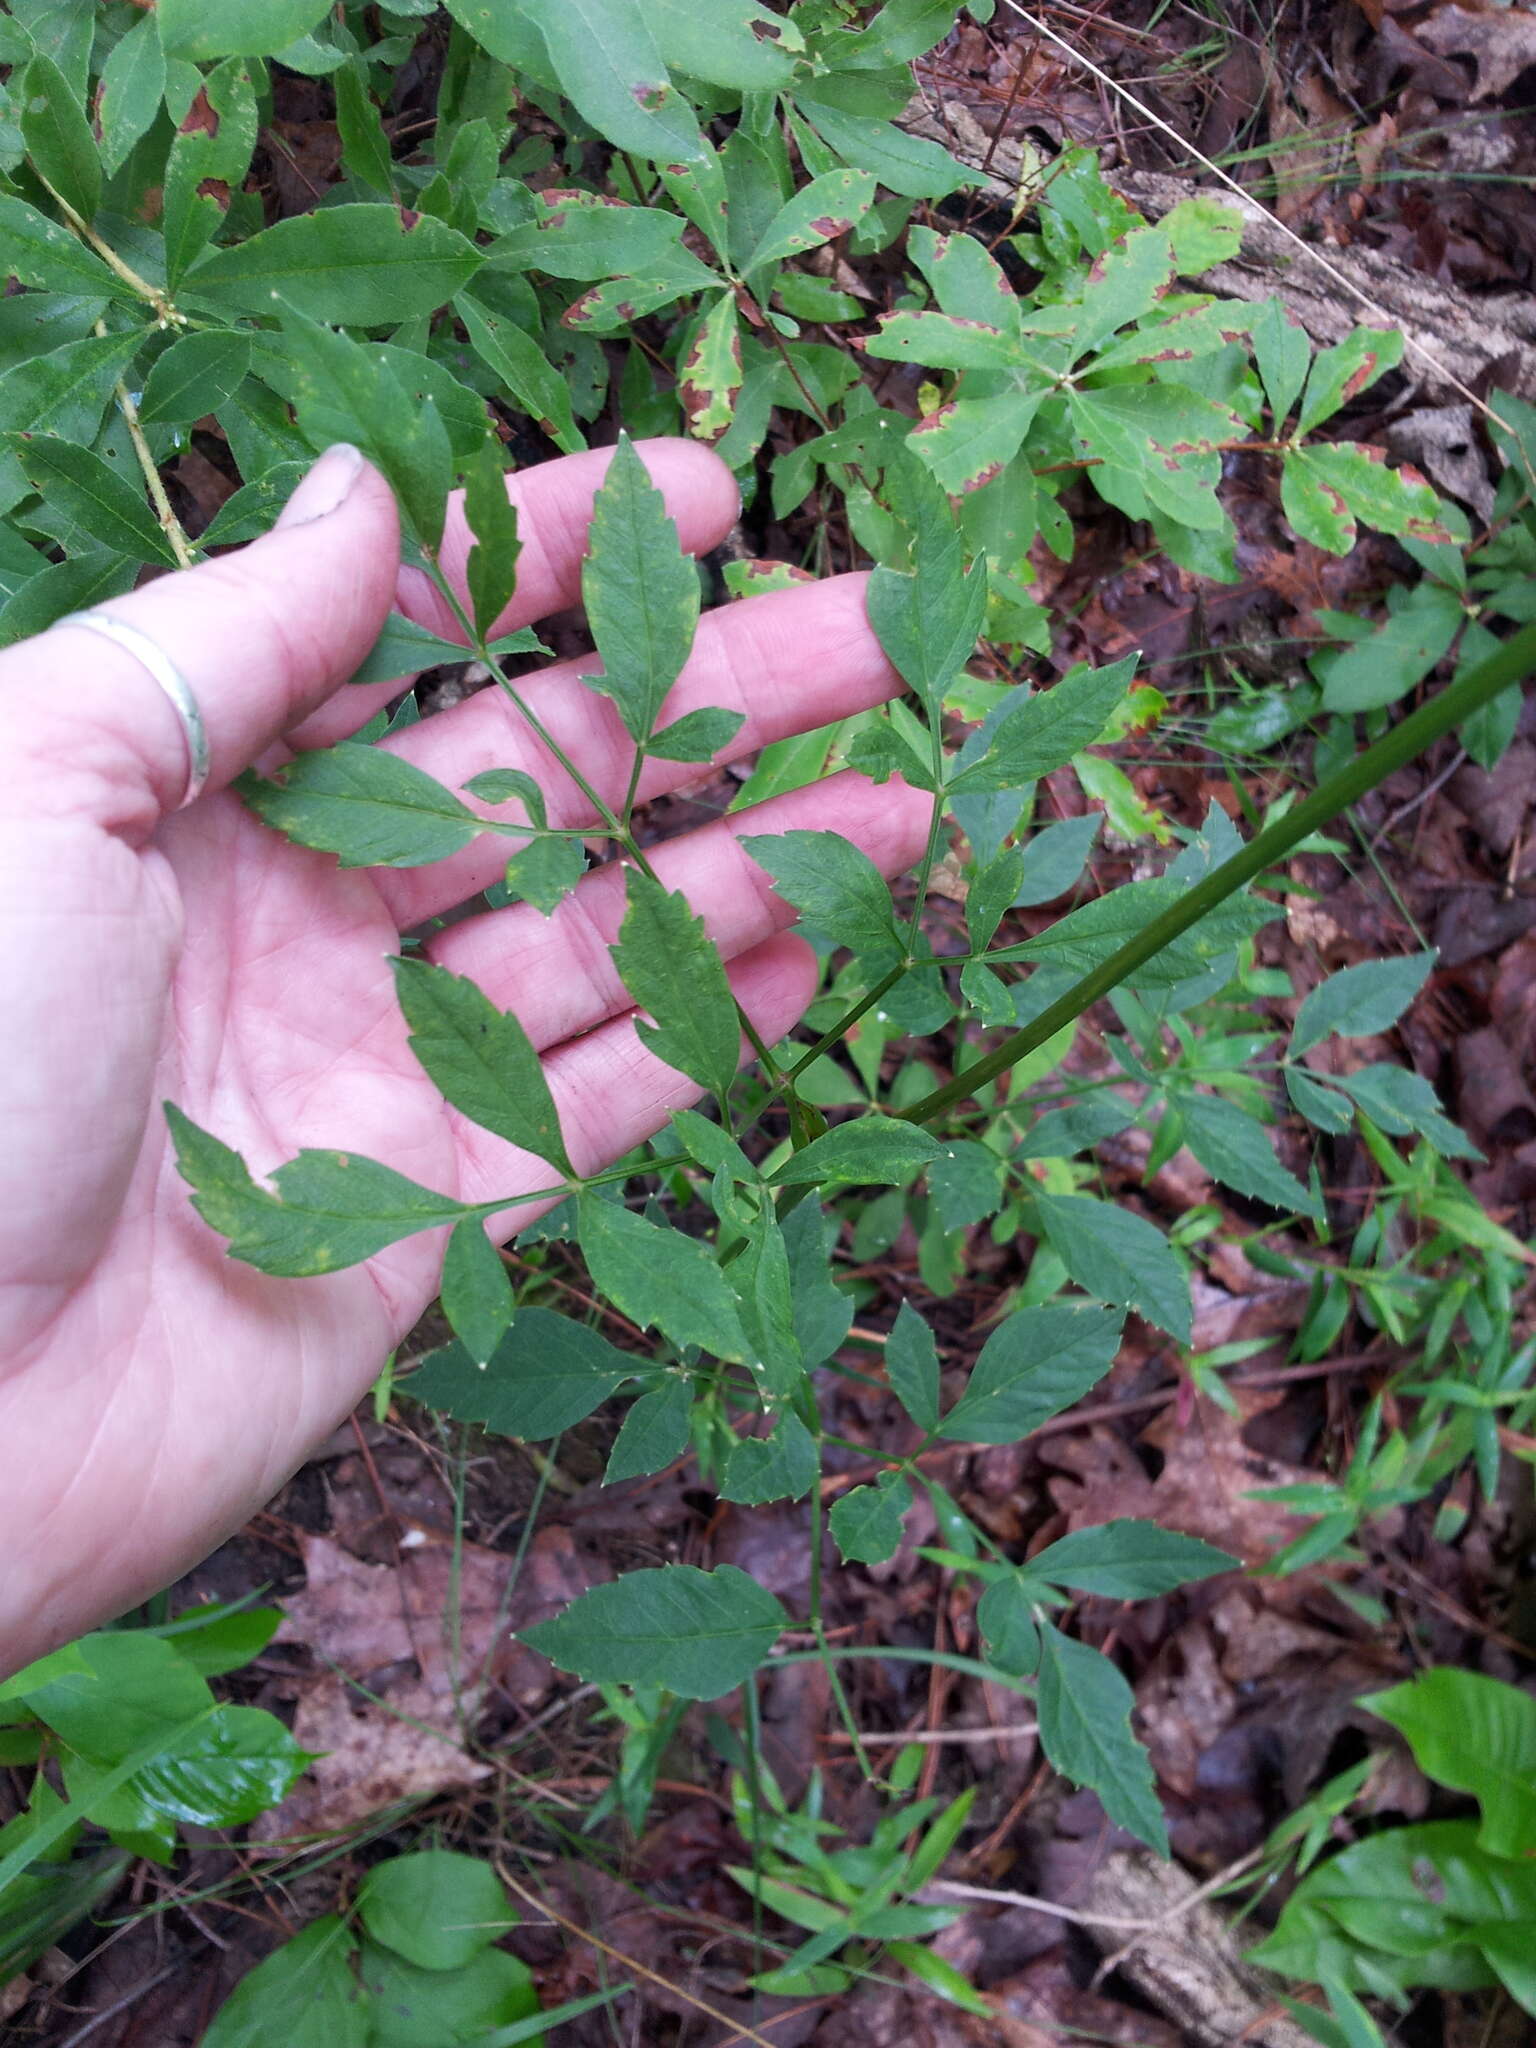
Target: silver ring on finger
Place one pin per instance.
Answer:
(158, 664)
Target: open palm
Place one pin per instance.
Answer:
(153, 1392)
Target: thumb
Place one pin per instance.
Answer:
(261, 637)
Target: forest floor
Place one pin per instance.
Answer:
(1409, 130)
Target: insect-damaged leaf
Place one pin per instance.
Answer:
(820, 211)
(711, 375)
(641, 593)
(677, 977)
(481, 1058)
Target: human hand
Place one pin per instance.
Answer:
(153, 1393)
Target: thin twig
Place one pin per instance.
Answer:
(626, 1962)
(1009, 1731)
(110, 2012)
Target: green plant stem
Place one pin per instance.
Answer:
(1499, 671)
(905, 1653)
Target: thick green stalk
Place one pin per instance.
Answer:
(1507, 665)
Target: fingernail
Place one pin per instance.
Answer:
(325, 488)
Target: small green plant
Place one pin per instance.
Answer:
(663, 264)
(412, 1964)
(124, 1720)
(1444, 1904)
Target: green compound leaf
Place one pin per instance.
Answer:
(100, 501)
(1477, 1735)
(1359, 1001)
(195, 376)
(1042, 730)
(819, 212)
(1120, 1257)
(904, 163)
(782, 1466)
(58, 136)
(1032, 1367)
(436, 1908)
(580, 236)
(331, 1209)
(840, 893)
(1235, 1149)
(36, 251)
(545, 872)
(481, 1058)
(547, 1374)
(1128, 1561)
(641, 593)
(658, 1277)
(1085, 1729)
(871, 1151)
(695, 1633)
(653, 1433)
(368, 807)
(1165, 436)
(476, 1290)
(365, 152)
(912, 1367)
(866, 1522)
(235, 28)
(304, 1995)
(359, 266)
(491, 571)
(678, 979)
(711, 371)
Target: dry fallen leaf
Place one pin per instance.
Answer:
(393, 1633)
(1501, 41)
